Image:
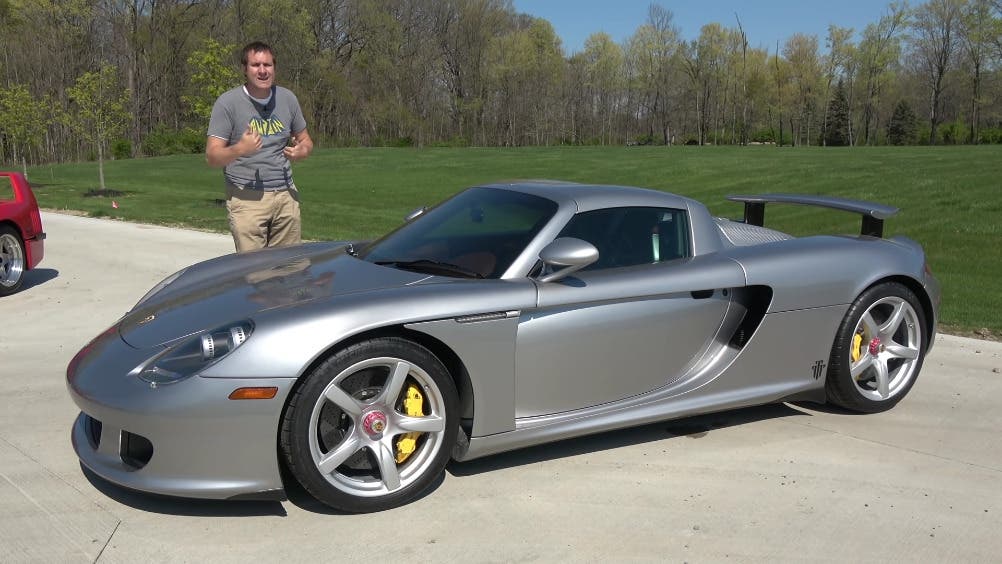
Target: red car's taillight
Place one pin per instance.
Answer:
(36, 221)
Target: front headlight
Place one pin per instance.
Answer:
(193, 354)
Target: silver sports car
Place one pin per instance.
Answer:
(507, 316)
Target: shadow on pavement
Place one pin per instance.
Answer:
(38, 276)
(690, 427)
(155, 503)
(303, 500)
(695, 427)
(829, 408)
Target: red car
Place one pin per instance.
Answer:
(21, 235)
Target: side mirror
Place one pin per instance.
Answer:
(567, 255)
(415, 214)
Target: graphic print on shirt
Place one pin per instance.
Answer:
(265, 127)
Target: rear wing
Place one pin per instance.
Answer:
(873, 214)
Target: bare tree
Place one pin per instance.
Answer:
(465, 30)
(936, 36)
(979, 27)
(743, 139)
(665, 46)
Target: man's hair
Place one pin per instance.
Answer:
(256, 47)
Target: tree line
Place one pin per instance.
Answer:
(118, 78)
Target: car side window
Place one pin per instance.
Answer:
(631, 236)
(6, 189)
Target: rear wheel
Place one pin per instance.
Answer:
(12, 261)
(372, 427)
(878, 350)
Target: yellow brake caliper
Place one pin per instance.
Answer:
(413, 407)
(857, 347)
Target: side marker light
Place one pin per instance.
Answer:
(253, 393)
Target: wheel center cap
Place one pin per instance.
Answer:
(374, 423)
(876, 346)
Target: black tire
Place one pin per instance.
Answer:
(344, 419)
(13, 260)
(878, 350)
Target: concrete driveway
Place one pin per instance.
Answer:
(922, 482)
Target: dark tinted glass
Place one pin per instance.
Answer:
(481, 230)
(632, 236)
(6, 188)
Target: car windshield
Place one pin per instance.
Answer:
(475, 234)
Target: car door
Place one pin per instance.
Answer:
(630, 323)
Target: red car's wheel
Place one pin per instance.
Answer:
(12, 261)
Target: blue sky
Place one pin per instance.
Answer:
(765, 21)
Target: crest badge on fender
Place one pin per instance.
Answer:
(818, 368)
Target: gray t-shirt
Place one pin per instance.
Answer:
(267, 169)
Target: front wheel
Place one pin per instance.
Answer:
(372, 427)
(12, 261)
(878, 350)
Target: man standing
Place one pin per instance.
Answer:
(255, 131)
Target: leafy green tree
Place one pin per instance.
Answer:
(23, 121)
(603, 69)
(98, 111)
(837, 133)
(801, 51)
(878, 50)
(212, 73)
(704, 59)
(903, 127)
(527, 64)
(836, 62)
(44, 45)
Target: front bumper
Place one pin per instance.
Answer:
(184, 439)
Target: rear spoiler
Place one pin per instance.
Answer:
(873, 214)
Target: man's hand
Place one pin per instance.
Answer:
(295, 151)
(218, 153)
(300, 146)
(250, 142)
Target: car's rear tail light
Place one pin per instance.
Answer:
(36, 222)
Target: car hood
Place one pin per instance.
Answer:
(235, 287)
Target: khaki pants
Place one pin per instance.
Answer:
(263, 218)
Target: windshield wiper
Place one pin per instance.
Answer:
(431, 267)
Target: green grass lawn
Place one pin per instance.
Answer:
(950, 197)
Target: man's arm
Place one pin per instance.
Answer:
(219, 154)
(300, 146)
